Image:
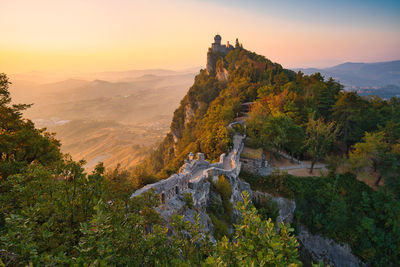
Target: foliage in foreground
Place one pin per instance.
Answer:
(115, 235)
(256, 243)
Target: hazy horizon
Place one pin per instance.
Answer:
(44, 77)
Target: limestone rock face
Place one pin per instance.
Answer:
(189, 112)
(222, 74)
(211, 61)
(189, 215)
(321, 248)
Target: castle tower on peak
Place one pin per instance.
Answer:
(217, 50)
(217, 39)
(218, 47)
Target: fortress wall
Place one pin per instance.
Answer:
(194, 176)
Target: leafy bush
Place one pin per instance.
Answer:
(224, 188)
(221, 210)
(188, 199)
(267, 208)
(220, 227)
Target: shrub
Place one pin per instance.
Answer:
(255, 243)
(220, 227)
(267, 208)
(224, 189)
(189, 200)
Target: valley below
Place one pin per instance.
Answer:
(110, 117)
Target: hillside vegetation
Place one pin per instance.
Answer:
(199, 124)
(305, 116)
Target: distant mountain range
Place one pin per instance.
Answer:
(39, 77)
(362, 74)
(380, 78)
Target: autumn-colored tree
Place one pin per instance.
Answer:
(376, 153)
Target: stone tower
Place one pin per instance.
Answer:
(217, 39)
(217, 50)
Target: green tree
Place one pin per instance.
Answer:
(368, 155)
(113, 238)
(275, 133)
(352, 116)
(20, 143)
(319, 138)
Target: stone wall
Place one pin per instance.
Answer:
(194, 177)
(256, 166)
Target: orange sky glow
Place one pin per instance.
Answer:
(85, 36)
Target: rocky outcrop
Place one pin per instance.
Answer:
(322, 248)
(190, 112)
(222, 74)
(195, 178)
(286, 206)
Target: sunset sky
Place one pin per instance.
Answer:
(100, 35)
